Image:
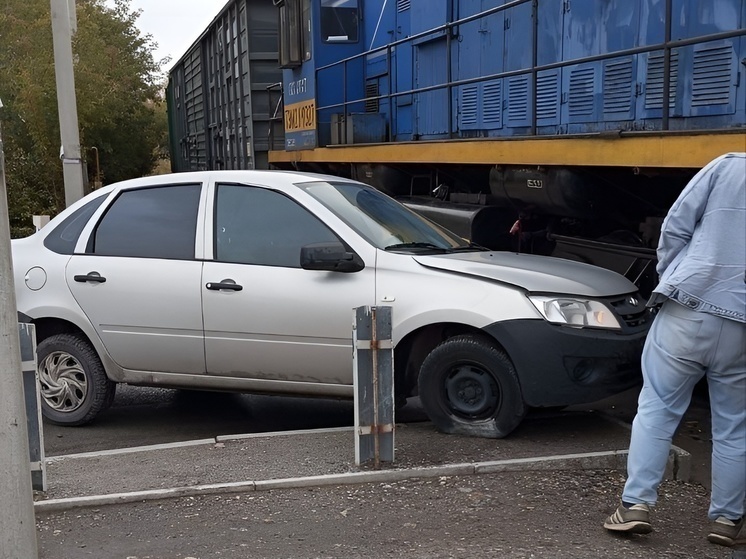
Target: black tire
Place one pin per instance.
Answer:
(74, 385)
(468, 386)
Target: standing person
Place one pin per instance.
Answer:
(700, 330)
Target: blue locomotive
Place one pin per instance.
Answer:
(373, 71)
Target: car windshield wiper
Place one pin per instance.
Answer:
(471, 247)
(407, 246)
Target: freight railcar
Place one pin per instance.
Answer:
(562, 127)
(219, 95)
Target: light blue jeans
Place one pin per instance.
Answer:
(682, 346)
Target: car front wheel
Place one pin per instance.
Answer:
(469, 386)
(74, 385)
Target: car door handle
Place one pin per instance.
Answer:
(90, 276)
(225, 284)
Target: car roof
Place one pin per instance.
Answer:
(260, 177)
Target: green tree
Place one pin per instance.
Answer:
(118, 97)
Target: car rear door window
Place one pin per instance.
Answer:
(260, 226)
(65, 236)
(156, 222)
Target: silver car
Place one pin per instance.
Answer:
(246, 281)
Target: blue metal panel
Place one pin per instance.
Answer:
(492, 33)
(548, 88)
(403, 62)
(711, 89)
(518, 25)
(550, 32)
(593, 27)
(492, 104)
(431, 106)
(519, 104)
(620, 22)
(580, 85)
(697, 17)
(468, 63)
(740, 116)
(480, 107)
(603, 91)
(618, 89)
(479, 52)
(378, 31)
(581, 29)
(550, 35)
(427, 14)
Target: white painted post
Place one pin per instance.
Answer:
(39, 221)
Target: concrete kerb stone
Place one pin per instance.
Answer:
(679, 465)
(60, 505)
(131, 450)
(615, 459)
(226, 438)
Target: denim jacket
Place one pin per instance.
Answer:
(702, 248)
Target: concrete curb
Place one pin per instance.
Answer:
(679, 463)
(678, 468)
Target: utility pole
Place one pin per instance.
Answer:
(63, 24)
(17, 523)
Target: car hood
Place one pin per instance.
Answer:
(537, 274)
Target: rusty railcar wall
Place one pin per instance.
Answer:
(218, 105)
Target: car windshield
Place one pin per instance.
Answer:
(382, 221)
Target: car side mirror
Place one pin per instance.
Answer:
(331, 257)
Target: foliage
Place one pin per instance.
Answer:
(118, 97)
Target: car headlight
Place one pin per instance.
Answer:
(574, 311)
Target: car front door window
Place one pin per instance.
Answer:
(263, 227)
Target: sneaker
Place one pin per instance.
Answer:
(724, 531)
(633, 520)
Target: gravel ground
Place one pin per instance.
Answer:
(507, 515)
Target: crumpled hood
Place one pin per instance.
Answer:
(536, 274)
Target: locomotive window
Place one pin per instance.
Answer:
(339, 21)
(294, 24)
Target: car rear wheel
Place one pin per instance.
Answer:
(74, 386)
(469, 386)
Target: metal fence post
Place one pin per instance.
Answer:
(27, 338)
(373, 367)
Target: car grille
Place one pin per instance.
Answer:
(632, 311)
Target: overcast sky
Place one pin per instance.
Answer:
(175, 24)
